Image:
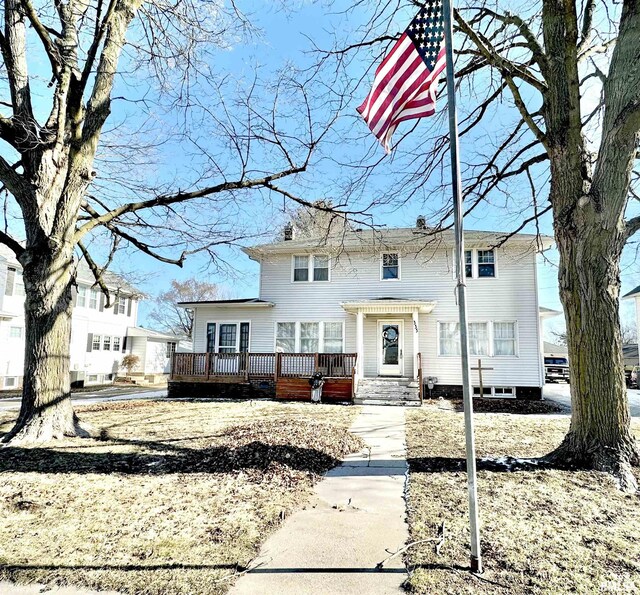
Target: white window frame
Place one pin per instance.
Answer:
(121, 305)
(490, 330)
(13, 379)
(169, 352)
(20, 334)
(489, 338)
(490, 392)
(474, 263)
(113, 343)
(96, 339)
(297, 341)
(311, 258)
(18, 284)
(81, 297)
(217, 334)
(440, 354)
(94, 301)
(106, 338)
(382, 255)
(503, 396)
(517, 339)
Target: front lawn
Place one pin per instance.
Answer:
(177, 499)
(542, 531)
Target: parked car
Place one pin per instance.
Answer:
(556, 368)
(631, 375)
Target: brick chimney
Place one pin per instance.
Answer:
(288, 232)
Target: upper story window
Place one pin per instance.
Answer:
(106, 343)
(116, 344)
(93, 299)
(15, 332)
(14, 283)
(171, 348)
(479, 263)
(486, 263)
(308, 267)
(391, 265)
(81, 298)
(121, 305)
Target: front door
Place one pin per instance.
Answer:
(390, 341)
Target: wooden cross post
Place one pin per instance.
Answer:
(480, 368)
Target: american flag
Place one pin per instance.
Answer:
(406, 82)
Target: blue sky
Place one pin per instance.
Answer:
(286, 39)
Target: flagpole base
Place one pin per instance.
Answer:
(476, 565)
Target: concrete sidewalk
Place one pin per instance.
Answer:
(355, 518)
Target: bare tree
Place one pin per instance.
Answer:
(80, 188)
(550, 105)
(320, 220)
(628, 335)
(178, 320)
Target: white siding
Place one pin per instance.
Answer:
(512, 295)
(138, 346)
(84, 321)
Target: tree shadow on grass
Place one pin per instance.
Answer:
(498, 465)
(255, 455)
(515, 406)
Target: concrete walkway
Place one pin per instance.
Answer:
(355, 518)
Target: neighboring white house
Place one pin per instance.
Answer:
(99, 335)
(634, 294)
(155, 349)
(388, 296)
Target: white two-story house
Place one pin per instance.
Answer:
(373, 304)
(100, 336)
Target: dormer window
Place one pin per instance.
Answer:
(390, 265)
(311, 267)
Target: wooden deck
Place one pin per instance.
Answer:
(289, 372)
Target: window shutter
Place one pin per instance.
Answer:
(90, 342)
(11, 279)
(129, 306)
(102, 302)
(124, 344)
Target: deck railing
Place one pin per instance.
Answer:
(261, 365)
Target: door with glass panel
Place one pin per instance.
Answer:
(390, 347)
(232, 339)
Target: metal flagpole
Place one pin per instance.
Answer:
(476, 560)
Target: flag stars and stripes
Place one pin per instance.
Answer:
(406, 82)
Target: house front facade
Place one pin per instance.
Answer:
(98, 334)
(387, 300)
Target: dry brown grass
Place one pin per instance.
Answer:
(176, 500)
(542, 532)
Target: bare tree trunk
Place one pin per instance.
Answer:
(46, 411)
(600, 436)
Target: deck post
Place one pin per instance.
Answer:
(360, 342)
(276, 367)
(416, 342)
(206, 364)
